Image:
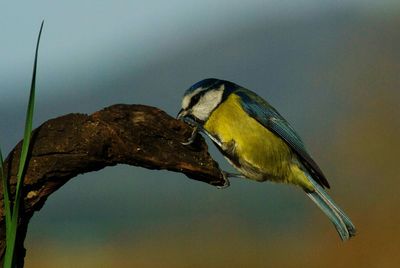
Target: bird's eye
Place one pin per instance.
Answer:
(195, 99)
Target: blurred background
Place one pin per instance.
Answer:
(332, 68)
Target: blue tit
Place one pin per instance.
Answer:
(258, 142)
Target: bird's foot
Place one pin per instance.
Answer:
(233, 175)
(192, 137)
(225, 177)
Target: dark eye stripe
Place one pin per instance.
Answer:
(205, 85)
(194, 100)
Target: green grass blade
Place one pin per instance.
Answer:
(6, 196)
(28, 124)
(10, 254)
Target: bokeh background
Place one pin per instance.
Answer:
(332, 68)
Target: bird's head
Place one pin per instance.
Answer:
(202, 98)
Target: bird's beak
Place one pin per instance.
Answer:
(181, 114)
(186, 117)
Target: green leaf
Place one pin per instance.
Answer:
(11, 240)
(28, 127)
(6, 196)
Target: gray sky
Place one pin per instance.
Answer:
(79, 33)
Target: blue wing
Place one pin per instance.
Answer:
(266, 115)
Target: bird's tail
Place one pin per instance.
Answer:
(340, 220)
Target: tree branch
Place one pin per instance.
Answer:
(73, 144)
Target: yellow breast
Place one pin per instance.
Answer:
(260, 153)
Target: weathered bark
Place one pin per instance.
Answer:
(73, 144)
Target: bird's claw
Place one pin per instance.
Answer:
(226, 184)
(225, 176)
(192, 137)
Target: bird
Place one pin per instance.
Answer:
(258, 142)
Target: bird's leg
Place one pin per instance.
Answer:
(192, 137)
(234, 175)
(226, 175)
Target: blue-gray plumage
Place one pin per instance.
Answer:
(266, 115)
(258, 141)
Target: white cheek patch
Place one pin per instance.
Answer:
(187, 98)
(207, 103)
